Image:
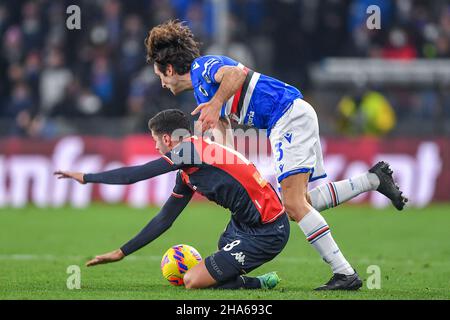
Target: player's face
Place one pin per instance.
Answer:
(169, 80)
(163, 142)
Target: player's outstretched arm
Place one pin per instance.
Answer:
(157, 226)
(125, 175)
(113, 256)
(160, 223)
(77, 176)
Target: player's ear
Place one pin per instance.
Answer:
(166, 138)
(170, 71)
(156, 69)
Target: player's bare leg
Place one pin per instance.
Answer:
(293, 190)
(199, 278)
(317, 232)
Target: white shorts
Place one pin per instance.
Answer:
(295, 143)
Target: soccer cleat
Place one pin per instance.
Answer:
(387, 185)
(269, 280)
(342, 282)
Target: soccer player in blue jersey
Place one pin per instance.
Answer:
(227, 90)
(258, 229)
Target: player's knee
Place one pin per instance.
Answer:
(191, 281)
(308, 198)
(296, 207)
(188, 281)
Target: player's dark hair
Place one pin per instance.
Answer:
(172, 43)
(167, 121)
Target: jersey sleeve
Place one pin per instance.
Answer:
(209, 66)
(163, 220)
(181, 189)
(160, 223)
(180, 157)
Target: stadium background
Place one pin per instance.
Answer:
(80, 100)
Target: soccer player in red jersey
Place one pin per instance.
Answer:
(258, 229)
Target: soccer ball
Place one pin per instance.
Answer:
(177, 261)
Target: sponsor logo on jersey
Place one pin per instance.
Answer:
(259, 179)
(251, 115)
(195, 66)
(203, 91)
(288, 137)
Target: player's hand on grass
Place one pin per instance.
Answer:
(209, 117)
(78, 176)
(113, 256)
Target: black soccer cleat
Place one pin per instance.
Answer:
(342, 282)
(387, 185)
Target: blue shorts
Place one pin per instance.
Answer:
(243, 248)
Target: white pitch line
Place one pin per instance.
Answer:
(53, 257)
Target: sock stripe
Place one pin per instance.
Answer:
(332, 195)
(336, 193)
(321, 236)
(313, 237)
(333, 192)
(312, 232)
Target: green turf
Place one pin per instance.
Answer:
(412, 250)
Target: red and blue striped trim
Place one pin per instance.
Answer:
(167, 159)
(318, 233)
(333, 194)
(176, 195)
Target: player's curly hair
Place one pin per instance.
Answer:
(172, 43)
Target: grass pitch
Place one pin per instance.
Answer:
(411, 248)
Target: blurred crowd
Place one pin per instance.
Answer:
(48, 72)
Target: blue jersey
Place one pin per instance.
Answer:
(260, 102)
